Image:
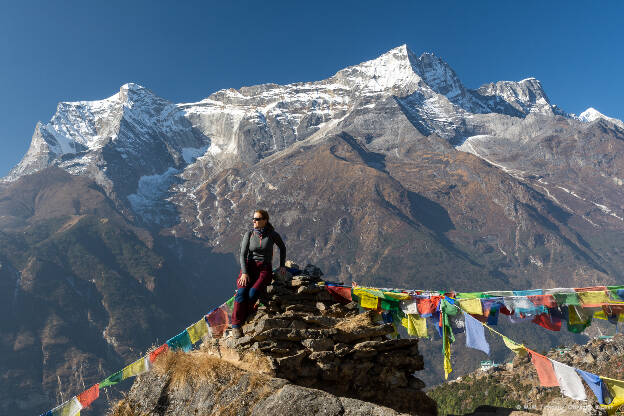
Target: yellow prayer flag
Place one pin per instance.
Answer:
(198, 330)
(600, 315)
(416, 325)
(140, 366)
(397, 296)
(612, 407)
(518, 349)
(366, 299)
(471, 306)
(69, 408)
(577, 315)
(616, 391)
(447, 358)
(594, 298)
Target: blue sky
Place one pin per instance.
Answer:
(83, 50)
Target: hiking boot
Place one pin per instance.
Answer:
(237, 332)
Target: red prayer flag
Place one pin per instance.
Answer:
(428, 306)
(218, 321)
(157, 352)
(546, 320)
(545, 370)
(88, 396)
(543, 300)
(340, 294)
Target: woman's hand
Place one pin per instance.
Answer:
(242, 281)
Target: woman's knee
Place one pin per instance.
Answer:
(241, 294)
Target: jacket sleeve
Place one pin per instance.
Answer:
(282, 247)
(243, 252)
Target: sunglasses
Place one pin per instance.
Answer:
(257, 219)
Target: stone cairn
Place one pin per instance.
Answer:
(302, 334)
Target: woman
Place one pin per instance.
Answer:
(256, 260)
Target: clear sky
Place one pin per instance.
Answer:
(53, 51)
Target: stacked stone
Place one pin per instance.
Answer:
(301, 333)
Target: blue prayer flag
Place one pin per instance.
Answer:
(475, 335)
(182, 341)
(596, 384)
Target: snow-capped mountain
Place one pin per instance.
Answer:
(591, 114)
(138, 145)
(249, 124)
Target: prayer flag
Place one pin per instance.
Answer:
(89, 396)
(563, 296)
(409, 307)
(198, 330)
(218, 321)
(229, 304)
(596, 384)
(340, 294)
(616, 389)
(158, 351)
(543, 300)
(531, 292)
(397, 295)
(390, 305)
(616, 292)
(545, 371)
(614, 406)
(471, 306)
(593, 296)
(578, 319)
(71, 407)
(498, 293)
(112, 380)
(548, 321)
(518, 349)
(490, 309)
(475, 335)
(140, 366)
(416, 325)
(569, 381)
(426, 307)
(447, 353)
(182, 341)
(368, 301)
(469, 295)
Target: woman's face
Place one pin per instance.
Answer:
(258, 220)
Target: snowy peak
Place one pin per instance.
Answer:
(591, 114)
(393, 69)
(524, 97)
(439, 76)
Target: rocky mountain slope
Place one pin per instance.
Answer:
(388, 173)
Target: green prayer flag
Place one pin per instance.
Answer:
(230, 303)
(112, 380)
(566, 299)
(390, 305)
(470, 295)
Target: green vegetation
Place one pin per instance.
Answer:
(465, 396)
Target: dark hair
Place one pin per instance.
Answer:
(265, 215)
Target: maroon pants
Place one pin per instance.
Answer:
(260, 275)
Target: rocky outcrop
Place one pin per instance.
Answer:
(200, 384)
(302, 350)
